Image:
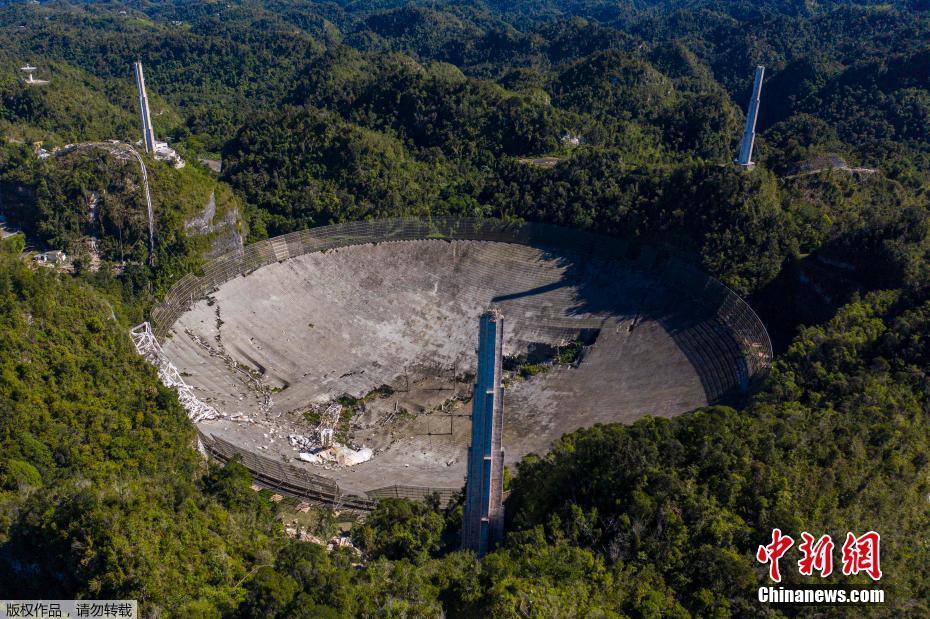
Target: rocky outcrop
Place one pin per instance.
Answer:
(223, 229)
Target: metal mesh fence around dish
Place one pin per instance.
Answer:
(297, 482)
(732, 310)
(283, 477)
(415, 493)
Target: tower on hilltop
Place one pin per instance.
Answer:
(148, 133)
(752, 115)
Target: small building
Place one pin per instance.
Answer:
(56, 256)
(163, 152)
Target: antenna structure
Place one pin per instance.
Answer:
(31, 80)
(148, 133)
(752, 115)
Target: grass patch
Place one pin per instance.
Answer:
(532, 369)
(526, 367)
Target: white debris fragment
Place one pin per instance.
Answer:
(302, 442)
(341, 541)
(147, 345)
(311, 451)
(350, 457)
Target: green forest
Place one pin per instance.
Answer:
(617, 117)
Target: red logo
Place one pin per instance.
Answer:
(860, 554)
(817, 556)
(773, 552)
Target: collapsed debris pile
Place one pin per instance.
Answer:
(321, 448)
(146, 345)
(341, 455)
(337, 542)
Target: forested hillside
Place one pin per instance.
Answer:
(622, 118)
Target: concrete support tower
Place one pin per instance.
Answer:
(483, 523)
(752, 114)
(148, 133)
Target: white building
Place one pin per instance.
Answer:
(56, 256)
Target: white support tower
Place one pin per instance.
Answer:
(148, 133)
(31, 80)
(752, 114)
(147, 346)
